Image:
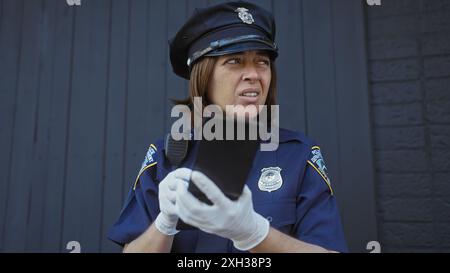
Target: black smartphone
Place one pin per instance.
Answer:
(227, 163)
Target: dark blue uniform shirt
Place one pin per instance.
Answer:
(303, 206)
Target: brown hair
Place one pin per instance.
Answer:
(201, 74)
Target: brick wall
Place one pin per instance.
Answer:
(409, 66)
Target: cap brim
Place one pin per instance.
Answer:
(242, 47)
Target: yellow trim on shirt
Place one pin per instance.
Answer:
(140, 173)
(326, 180)
(154, 147)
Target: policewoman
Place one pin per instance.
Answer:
(227, 52)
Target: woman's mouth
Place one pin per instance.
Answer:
(249, 96)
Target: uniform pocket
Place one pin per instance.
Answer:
(280, 213)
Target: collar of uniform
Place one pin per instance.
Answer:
(286, 135)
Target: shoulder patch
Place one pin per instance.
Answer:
(149, 156)
(318, 163)
(149, 161)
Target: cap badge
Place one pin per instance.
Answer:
(270, 179)
(245, 16)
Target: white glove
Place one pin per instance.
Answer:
(235, 220)
(167, 219)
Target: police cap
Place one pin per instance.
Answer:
(222, 29)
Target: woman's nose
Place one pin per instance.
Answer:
(250, 74)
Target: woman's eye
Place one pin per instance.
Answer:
(264, 62)
(233, 61)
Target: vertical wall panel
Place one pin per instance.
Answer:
(85, 153)
(115, 120)
(39, 154)
(355, 148)
(10, 54)
(156, 86)
(290, 65)
(1, 14)
(59, 124)
(19, 193)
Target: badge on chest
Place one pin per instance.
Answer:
(270, 179)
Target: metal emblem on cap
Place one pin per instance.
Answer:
(245, 16)
(270, 179)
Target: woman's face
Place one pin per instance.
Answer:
(241, 79)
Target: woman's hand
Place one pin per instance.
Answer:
(235, 220)
(167, 219)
